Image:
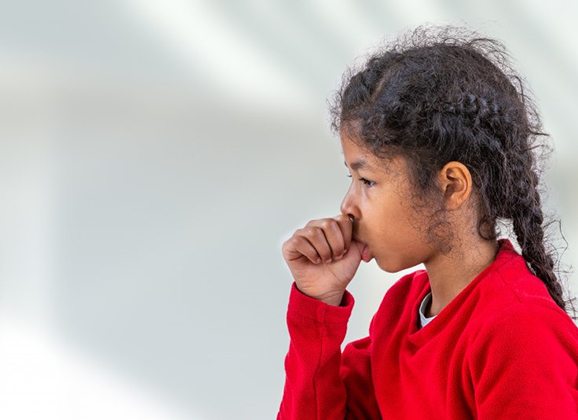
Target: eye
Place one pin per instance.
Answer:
(365, 181)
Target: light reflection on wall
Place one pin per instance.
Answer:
(154, 156)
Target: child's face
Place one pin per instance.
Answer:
(384, 219)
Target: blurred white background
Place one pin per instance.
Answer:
(154, 156)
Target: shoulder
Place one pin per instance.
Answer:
(518, 298)
(524, 327)
(537, 312)
(511, 294)
(524, 362)
(514, 309)
(524, 286)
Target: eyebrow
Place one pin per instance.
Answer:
(358, 164)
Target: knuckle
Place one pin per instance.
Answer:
(306, 231)
(315, 230)
(336, 227)
(287, 246)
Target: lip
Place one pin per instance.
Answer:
(366, 253)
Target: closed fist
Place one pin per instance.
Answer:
(323, 257)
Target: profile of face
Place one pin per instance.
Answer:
(379, 200)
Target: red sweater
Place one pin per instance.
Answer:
(501, 349)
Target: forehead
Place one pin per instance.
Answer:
(358, 157)
(353, 151)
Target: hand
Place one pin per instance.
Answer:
(323, 257)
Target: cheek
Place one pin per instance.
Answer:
(395, 219)
(397, 235)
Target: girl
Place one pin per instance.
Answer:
(439, 136)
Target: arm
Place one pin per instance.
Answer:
(320, 382)
(356, 375)
(526, 366)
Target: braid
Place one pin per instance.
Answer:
(527, 217)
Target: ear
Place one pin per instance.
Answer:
(455, 181)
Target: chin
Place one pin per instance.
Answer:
(385, 267)
(389, 267)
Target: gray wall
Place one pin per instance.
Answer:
(154, 156)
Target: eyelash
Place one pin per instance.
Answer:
(367, 182)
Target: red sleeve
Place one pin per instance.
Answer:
(526, 366)
(320, 382)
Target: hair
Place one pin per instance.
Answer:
(440, 94)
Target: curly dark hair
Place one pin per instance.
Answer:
(442, 93)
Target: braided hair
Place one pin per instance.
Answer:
(440, 94)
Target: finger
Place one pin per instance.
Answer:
(334, 237)
(298, 246)
(315, 235)
(305, 247)
(346, 226)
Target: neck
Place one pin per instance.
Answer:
(450, 274)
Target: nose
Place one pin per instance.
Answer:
(348, 208)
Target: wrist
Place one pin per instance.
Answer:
(331, 298)
(334, 300)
